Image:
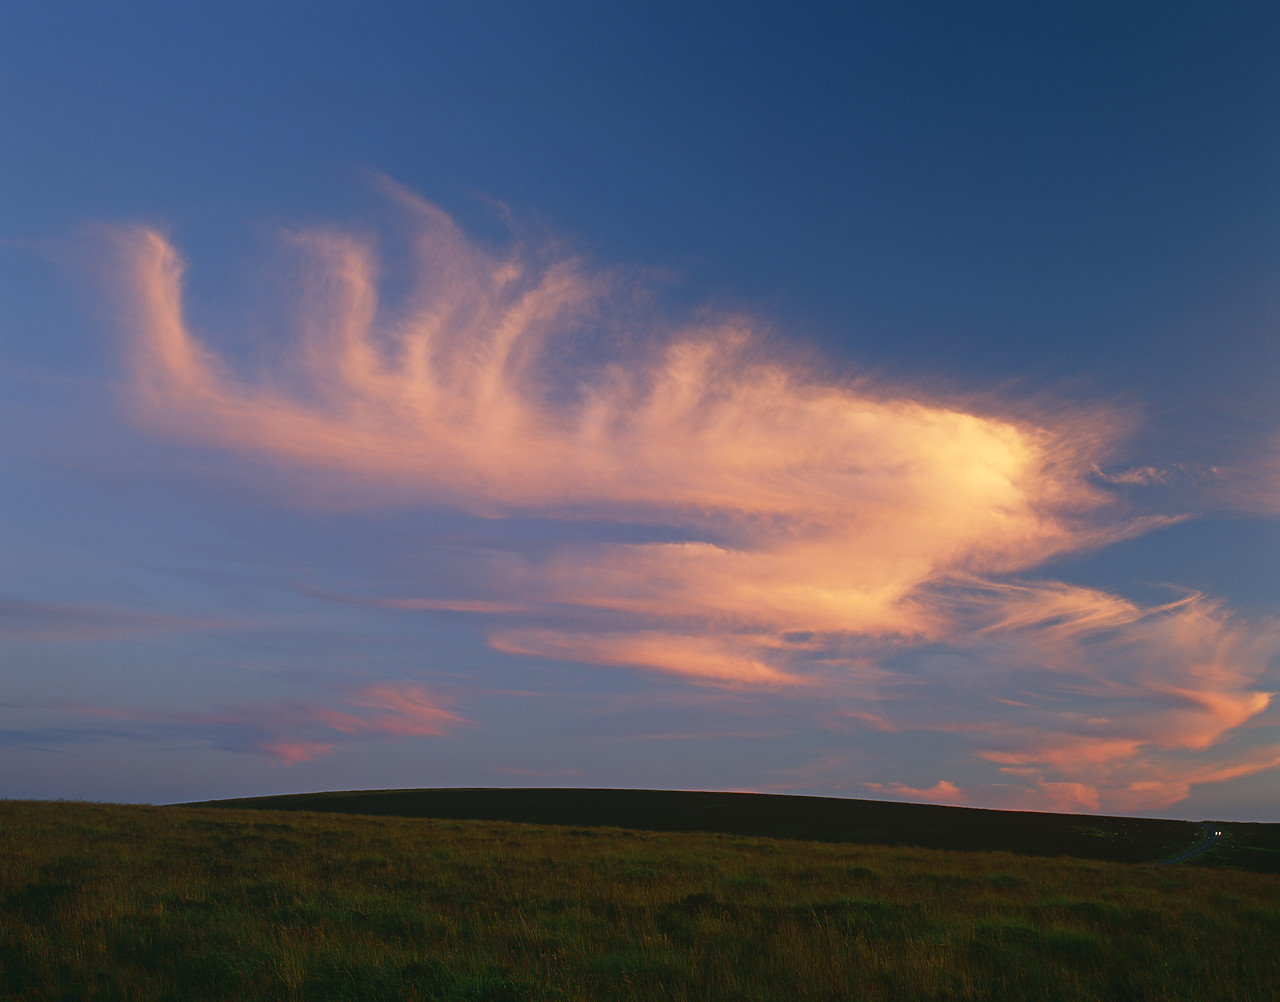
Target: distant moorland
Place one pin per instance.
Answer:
(825, 819)
(102, 901)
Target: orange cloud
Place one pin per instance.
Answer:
(397, 711)
(1116, 696)
(454, 398)
(701, 658)
(800, 531)
(293, 732)
(942, 792)
(822, 506)
(1065, 797)
(293, 752)
(1148, 783)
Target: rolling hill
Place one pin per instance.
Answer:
(825, 819)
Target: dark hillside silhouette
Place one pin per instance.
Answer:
(826, 819)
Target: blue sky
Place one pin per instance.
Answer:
(866, 400)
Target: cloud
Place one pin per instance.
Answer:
(1251, 484)
(470, 605)
(942, 792)
(753, 523)
(293, 752)
(698, 657)
(26, 621)
(1076, 689)
(1134, 476)
(815, 505)
(290, 731)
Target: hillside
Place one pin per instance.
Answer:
(825, 819)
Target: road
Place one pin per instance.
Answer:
(1210, 839)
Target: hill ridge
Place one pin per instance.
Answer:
(769, 815)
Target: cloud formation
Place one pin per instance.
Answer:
(801, 531)
(1126, 706)
(294, 731)
(817, 506)
(25, 621)
(942, 792)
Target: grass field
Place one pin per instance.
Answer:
(140, 903)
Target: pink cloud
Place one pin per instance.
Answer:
(824, 505)
(295, 731)
(700, 658)
(1064, 797)
(1116, 698)
(817, 527)
(942, 792)
(1147, 783)
(395, 710)
(293, 752)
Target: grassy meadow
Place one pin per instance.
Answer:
(127, 902)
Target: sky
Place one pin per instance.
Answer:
(860, 400)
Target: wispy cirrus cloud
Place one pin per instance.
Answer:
(1070, 689)
(1244, 479)
(802, 532)
(1252, 485)
(26, 621)
(457, 400)
(942, 792)
(289, 731)
(820, 506)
